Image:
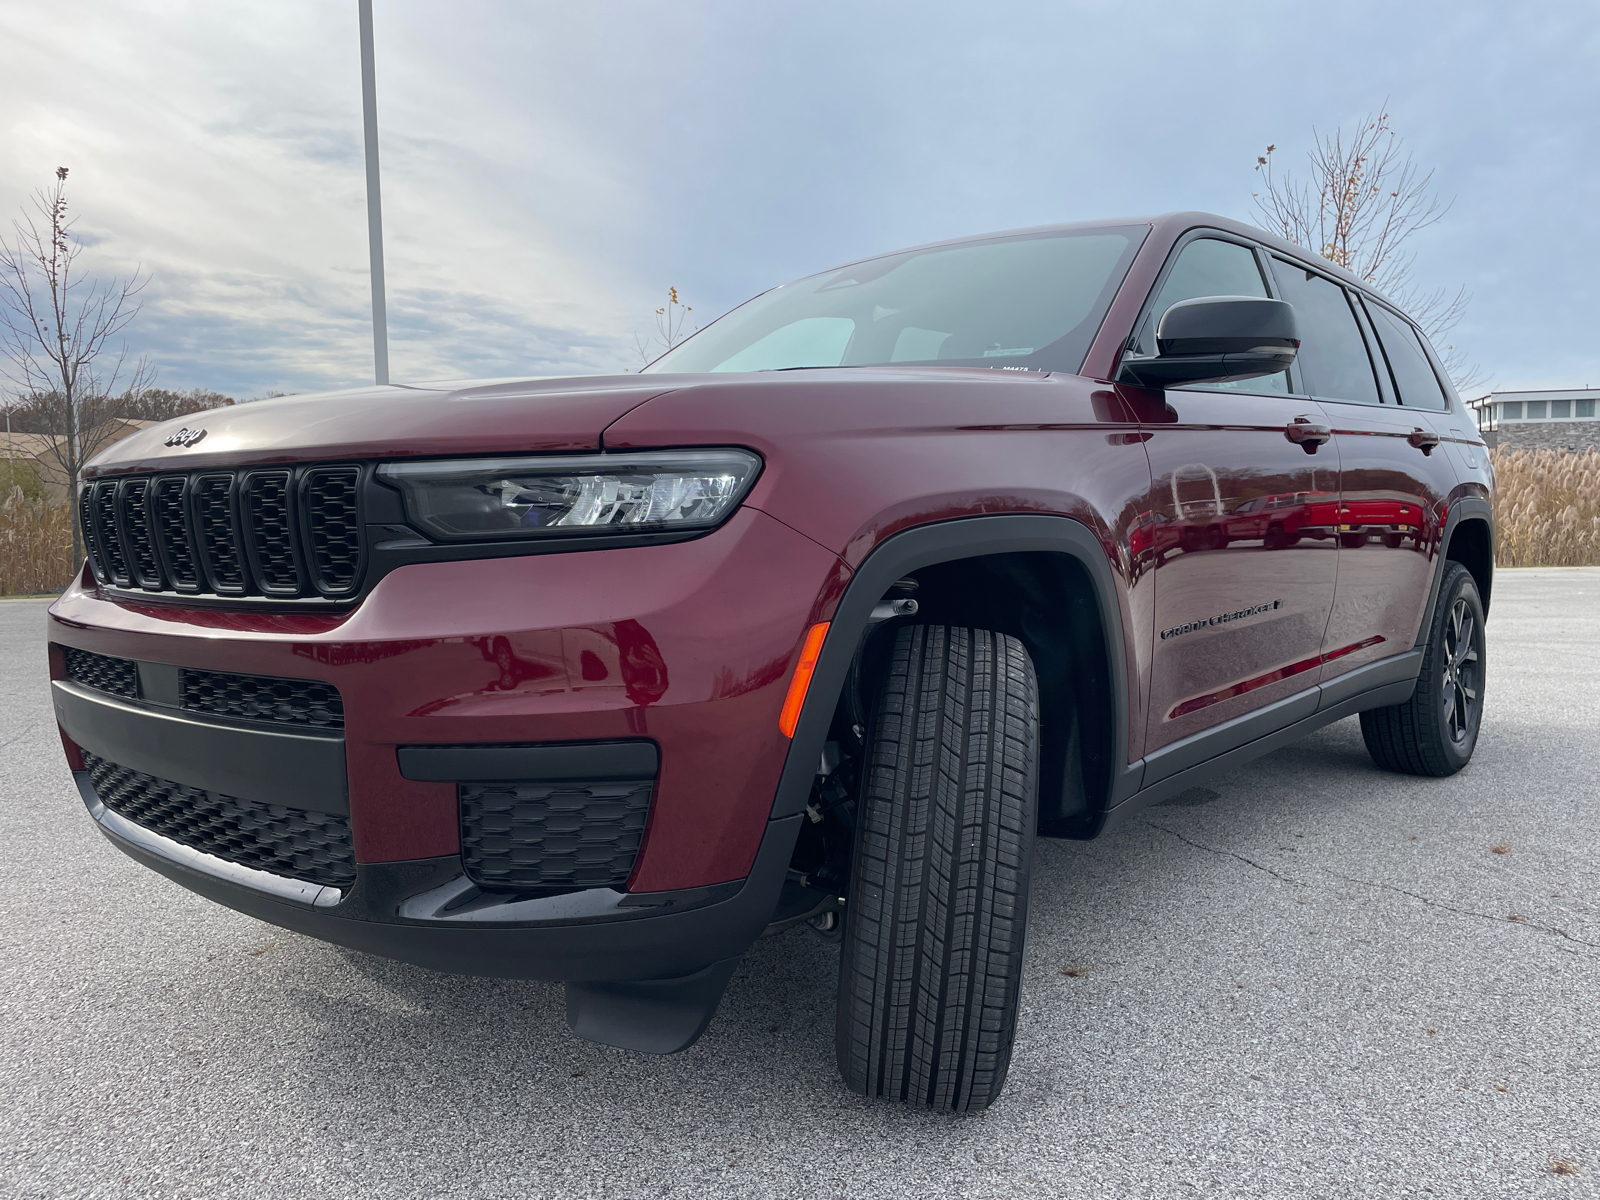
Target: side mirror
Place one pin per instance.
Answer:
(1215, 339)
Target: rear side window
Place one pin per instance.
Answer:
(1333, 358)
(1211, 267)
(1413, 373)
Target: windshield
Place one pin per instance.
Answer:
(1033, 301)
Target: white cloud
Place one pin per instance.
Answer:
(550, 169)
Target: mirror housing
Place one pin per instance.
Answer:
(1217, 339)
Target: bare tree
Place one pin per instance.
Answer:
(672, 327)
(1364, 201)
(58, 324)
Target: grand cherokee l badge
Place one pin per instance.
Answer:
(1237, 614)
(186, 437)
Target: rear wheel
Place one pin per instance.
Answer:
(1435, 732)
(931, 966)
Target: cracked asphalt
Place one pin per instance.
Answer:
(1309, 979)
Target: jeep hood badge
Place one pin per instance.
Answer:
(185, 437)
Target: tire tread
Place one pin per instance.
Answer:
(932, 956)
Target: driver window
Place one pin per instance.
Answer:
(1211, 267)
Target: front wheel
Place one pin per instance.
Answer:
(931, 967)
(1435, 732)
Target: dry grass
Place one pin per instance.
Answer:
(1546, 508)
(35, 545)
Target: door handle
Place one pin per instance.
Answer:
(1423, 440)
(1307, 434)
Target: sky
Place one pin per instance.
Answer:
(549, 170)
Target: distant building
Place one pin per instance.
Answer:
(1558, 420)
(33, 455)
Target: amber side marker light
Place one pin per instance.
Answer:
(810, 651)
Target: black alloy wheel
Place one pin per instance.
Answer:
(1463, 683)
(1435, 732)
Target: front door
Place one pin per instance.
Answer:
(1367, 371)
(1237, 529)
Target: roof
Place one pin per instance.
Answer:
(1583, 393)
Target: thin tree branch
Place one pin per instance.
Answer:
(1365, 200)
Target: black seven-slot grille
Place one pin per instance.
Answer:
(280, 532)
(552, 835)
(223, 693)
(311, 846)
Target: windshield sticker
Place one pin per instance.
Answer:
(996, 351)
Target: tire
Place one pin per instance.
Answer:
(931, 966)
(1435, 732)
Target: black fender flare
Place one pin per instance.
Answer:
(1462, 509)
(948, 541)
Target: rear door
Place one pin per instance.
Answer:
(1393, 483)
(1235, 530)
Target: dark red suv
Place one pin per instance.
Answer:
(822, 619)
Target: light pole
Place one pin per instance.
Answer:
(369, 115)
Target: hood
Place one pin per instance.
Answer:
(390, 422)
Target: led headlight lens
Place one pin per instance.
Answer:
(666, 491)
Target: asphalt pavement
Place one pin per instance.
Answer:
(1309, 979)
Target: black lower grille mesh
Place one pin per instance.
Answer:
(261, 698)
(310, 846)
(119, 676)
(552, 835)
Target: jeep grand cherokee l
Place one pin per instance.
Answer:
(822, 618)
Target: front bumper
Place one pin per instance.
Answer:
(427, 912)
(688, 646)
(682, 651)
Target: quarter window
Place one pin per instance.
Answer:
(1413, 373)
(1333, 358)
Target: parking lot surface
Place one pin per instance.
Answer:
(1309, 979)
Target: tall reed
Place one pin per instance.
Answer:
(1546, 508)
(35, 545)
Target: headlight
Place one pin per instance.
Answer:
(665, 491)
